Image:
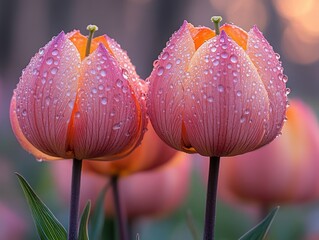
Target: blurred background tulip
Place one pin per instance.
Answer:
(283, 172)
(152, 153)
(152, 193)
(12, 225)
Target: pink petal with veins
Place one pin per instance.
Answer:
(226, 101)
(21, 138)
(165, 96)
(45, 96)
(270, 70)
(105, 108)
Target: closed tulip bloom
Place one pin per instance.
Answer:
(285, 171)
(152, 153)
(217, 95)
(67, 105)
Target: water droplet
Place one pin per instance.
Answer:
(71, 104)
(93, 71)
(215, 62)
(77, 114)
(43, 80)
(246, 112)
(224, 54)
(55, 52)
(238, 93)
(213, 49)
(103, 73)
(35, 72)
(220, 88)
(210, 99)
(24, 112)
(168, 66)
(233, 58)
(160, 71)
(41, 51)
(49, 61)
(101, 87)
(178, 61)
(94, 90)
(155, 63)
(165, 55)
(119, 83)
(242, 119)
(117, 126)
(104, 101)
(39, 159)
(124, 73)
(54, 70)
(287, 91)
(88, 62)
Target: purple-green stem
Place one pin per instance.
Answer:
(75, 196)
(211, 195)
(121, 220)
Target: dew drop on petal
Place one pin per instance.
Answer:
(165, 55)
(238, 93)
(55, 52)
(104, 101)
(103, 73)
(210, 99)
(49, 61)
(124, 73)
(233, 58)
(117, 126)
(215, 62)
(24, 112)
(220, 88)
(242, 119)
(160, 71)
(54, 70)
(119, 83)
(224, 54)
(77, 114)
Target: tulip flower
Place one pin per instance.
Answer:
(69, 105)
(79, 98)
(283, 172)
(217, 93)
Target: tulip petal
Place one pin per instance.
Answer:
(270, 71)
(226, 102)
(21, 138)
(165, 96)
(105, 108)
(45, 96)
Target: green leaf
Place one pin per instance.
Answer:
(260, 231)
(97, 218)
(48, 227)
(83, 229)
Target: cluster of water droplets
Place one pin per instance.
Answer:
(271, 71)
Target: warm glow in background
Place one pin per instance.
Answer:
(142, 27)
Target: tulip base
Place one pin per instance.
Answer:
(75, 196)
(121, 220)
(211, 195)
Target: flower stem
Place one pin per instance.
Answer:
(121, 220)
(75, 196)
(211, 198)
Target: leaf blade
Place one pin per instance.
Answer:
(83, 229)
(260, 231)
(48, 227)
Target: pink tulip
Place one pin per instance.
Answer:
(217, 95)
(285, 171)
(152, 153)
(67, 105)
(12, 226)
(169, 183)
